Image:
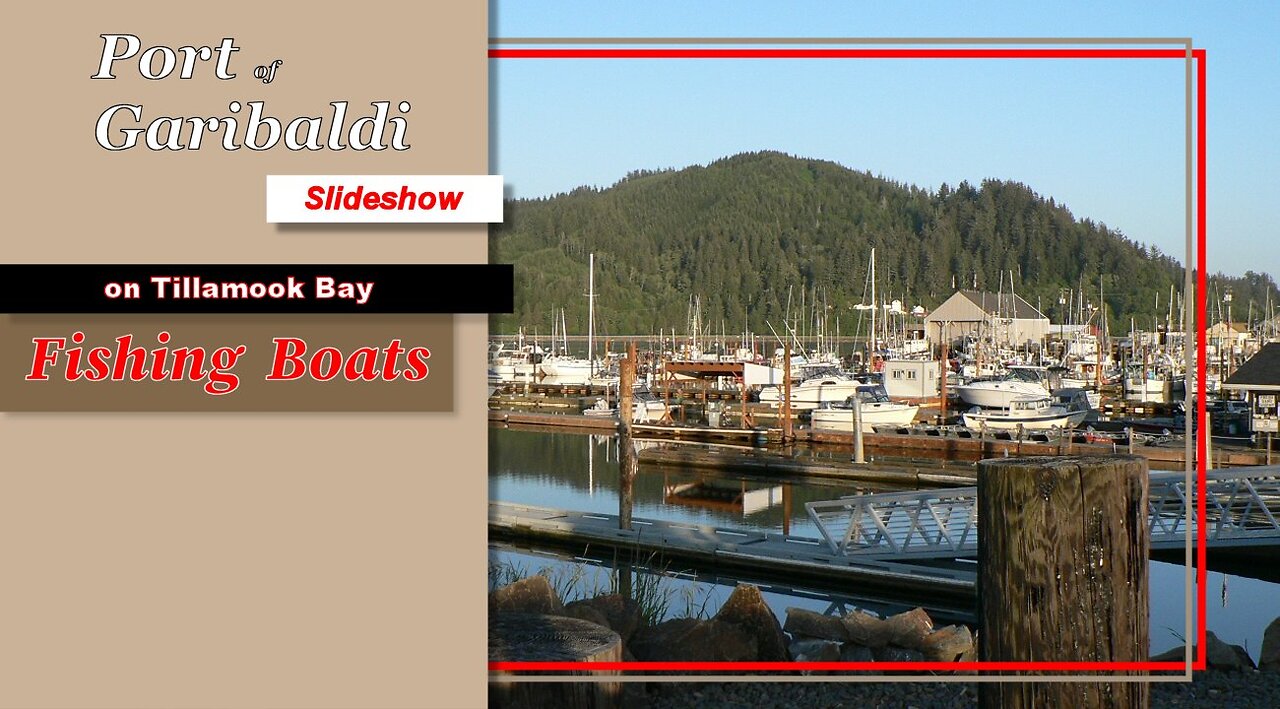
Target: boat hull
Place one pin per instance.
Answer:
(841, 419)
(997, 394)
(1010, 423)
(811, 396)
(566, 371)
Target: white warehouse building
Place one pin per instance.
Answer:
(1006, 318)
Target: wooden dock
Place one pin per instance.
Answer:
(594, 424)
(716, 548)
(918, 441)
(764, 463)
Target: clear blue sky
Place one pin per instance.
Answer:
(1105, 137)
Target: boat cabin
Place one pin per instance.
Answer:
(1029, 404)
(912, 378)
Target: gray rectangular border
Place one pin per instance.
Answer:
(1188, 288)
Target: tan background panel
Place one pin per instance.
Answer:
(252, 392)
(243, 560)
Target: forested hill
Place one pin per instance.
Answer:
(742, 232)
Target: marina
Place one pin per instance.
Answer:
(867, 460)
(579, 475)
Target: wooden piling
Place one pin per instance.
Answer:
(788, 434)
(859, 456)
(628, 464)
(1208, 440)
(1062, 574)
(942, 390)
(626, 390)
(527, 637)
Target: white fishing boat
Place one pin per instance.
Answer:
(1020, 382)
(515, 363)
(1146, 384)
(645, 408)
(811, 393)
(1032, 413)
(1077, 402)
(877, 409)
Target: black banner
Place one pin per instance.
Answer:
(256, 288)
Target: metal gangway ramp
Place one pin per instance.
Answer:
(1241, 509)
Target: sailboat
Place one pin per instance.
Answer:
(575, 370)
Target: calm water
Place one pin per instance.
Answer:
(580, 472)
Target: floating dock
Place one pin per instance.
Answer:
(947, 442)
(717, 548)
(763, 463)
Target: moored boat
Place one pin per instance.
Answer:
(1076, 401)
(1031, 413)
(877, 409)
(1020, 382)
(645, 408)
(811, 393)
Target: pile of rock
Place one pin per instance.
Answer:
(746, 630)
(862, 637)
(743, 630)
(1221, 656)
(534, 595)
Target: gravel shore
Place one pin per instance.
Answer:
(1243, 690)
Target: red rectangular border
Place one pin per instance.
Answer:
(1198, 56)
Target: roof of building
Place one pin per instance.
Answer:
(1006, 304)
(1262, 369)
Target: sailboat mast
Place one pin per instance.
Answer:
(591, 313)
(871, 341)
(1102, 330)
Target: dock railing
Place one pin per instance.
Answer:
(1242, 508)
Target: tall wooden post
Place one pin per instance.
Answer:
(626, 390)
(1097, 367)
(1208, 440)
(1062, 574)
(628, 465)
(786, 393)
(666, 393)
(942, 392)
(859, 456)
